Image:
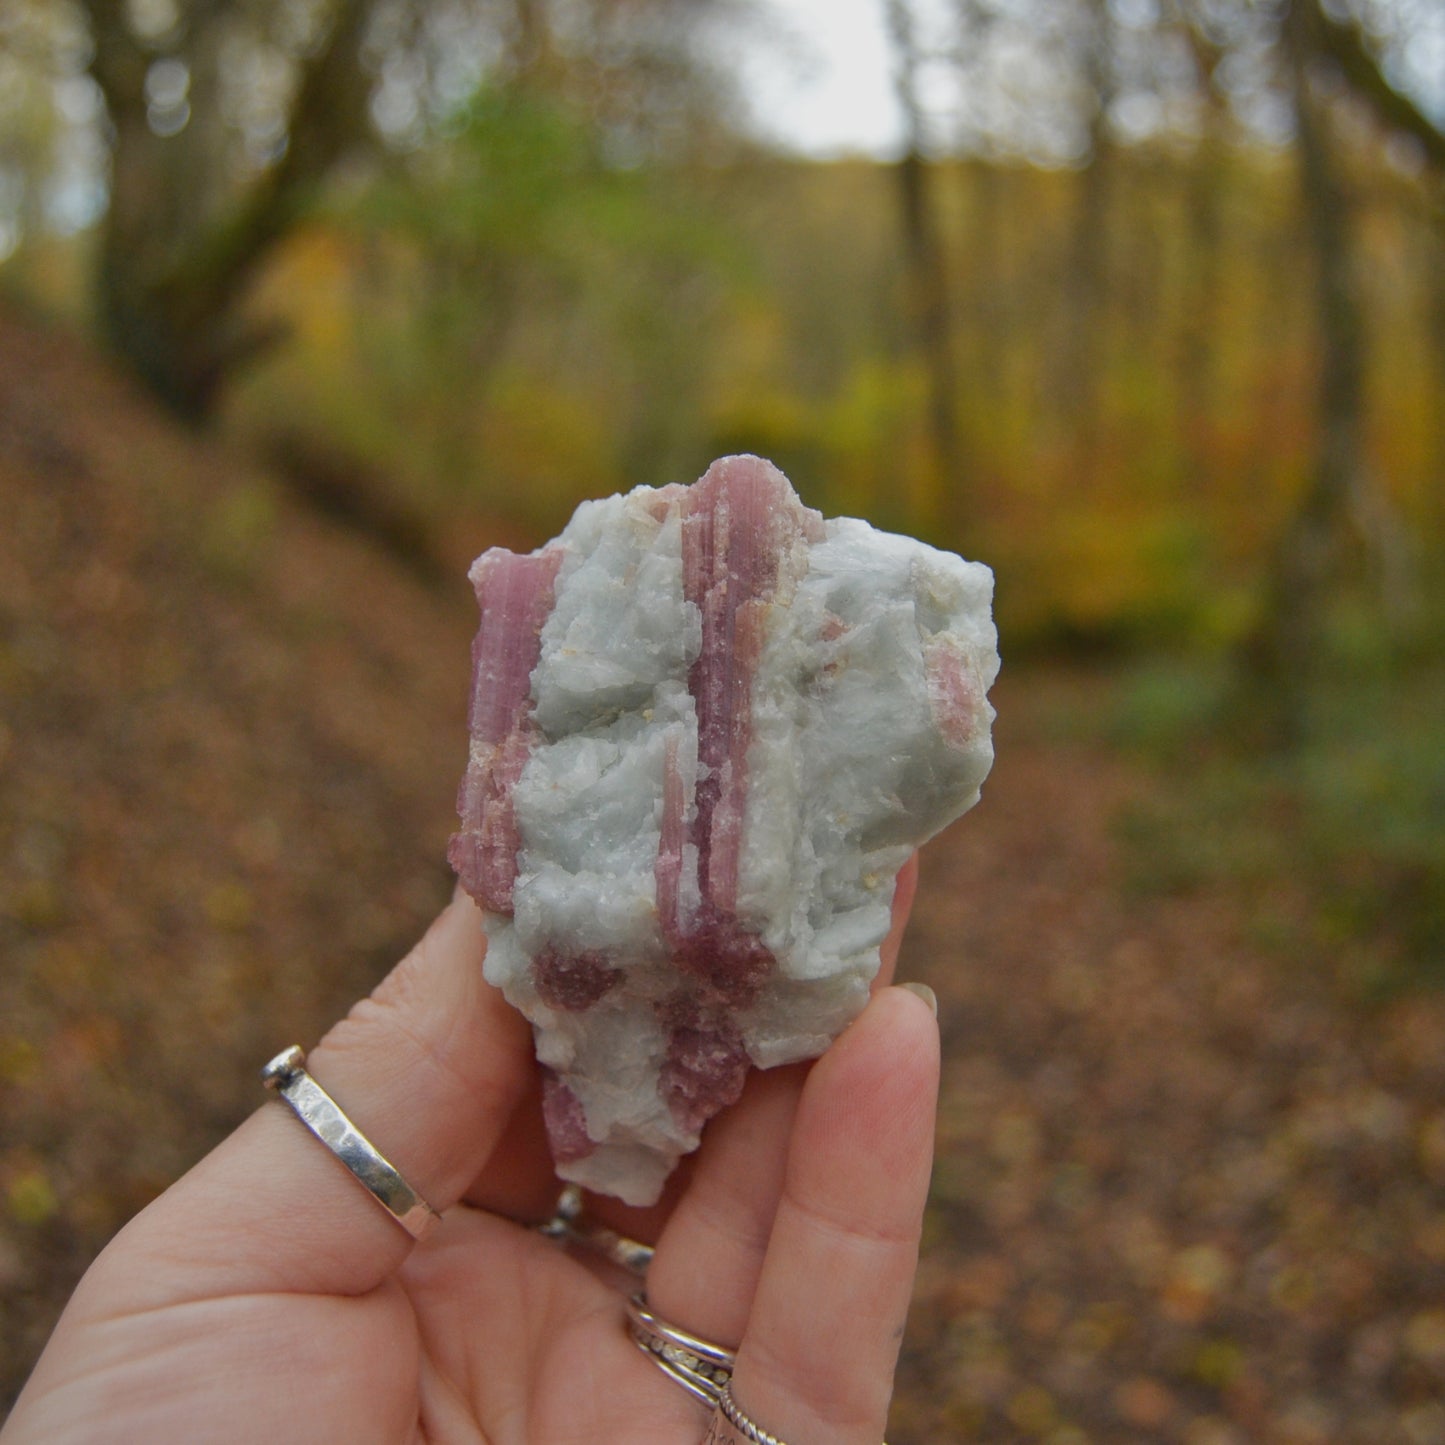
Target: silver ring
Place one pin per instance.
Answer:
(702, 1368)
(744, 1429)
(729, 1410)
(286, 1074)
(570, 1225)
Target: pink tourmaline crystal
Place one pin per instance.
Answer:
(744, 534)
(706, 1064)
(515, 597)
(707, 730)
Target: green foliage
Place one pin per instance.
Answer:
(510, 321)
(513, 317)
(1339, 840)
(1163, 705)
(1372, 788)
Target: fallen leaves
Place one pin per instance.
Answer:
(1187, 1192)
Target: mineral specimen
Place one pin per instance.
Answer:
(707, 730)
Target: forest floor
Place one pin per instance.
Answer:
(1189, 1188)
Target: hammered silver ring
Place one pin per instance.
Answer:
(286, 1075)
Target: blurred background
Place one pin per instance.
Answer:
(304, 302)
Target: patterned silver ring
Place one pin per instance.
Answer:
(730, 1425)
(699, 1366)
(728, 1409)
(286, 1075)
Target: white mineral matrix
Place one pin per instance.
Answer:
(707, 730)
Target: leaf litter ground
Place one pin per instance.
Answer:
(1185, 1190)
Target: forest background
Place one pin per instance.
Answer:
(1148, 312)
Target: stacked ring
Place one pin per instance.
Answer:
(750, 1430)
(730, 1425)
(699, 1366)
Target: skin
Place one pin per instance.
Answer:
(265, 1296)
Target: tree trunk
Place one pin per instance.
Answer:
(985, 353)
(927, 281)
(1430, 242)
(983, 261)
(174, 273)
(1079, 358)
(1199, 326)
(1200, 323)
(1309, 561)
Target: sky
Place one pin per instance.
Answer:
(817, 76)
(817, 73)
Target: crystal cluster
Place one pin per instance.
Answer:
(707, 730)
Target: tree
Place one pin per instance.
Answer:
(229, 119)
(1194, 364)
(1341, 504)
(1076, 371)
(925, 268)
(192, 214)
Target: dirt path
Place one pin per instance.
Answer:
(1184, 1193)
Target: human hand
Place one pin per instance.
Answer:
(264, 1296)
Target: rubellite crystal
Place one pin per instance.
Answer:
(707, 730)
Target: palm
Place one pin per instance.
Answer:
(514, 1330)
(489, 1332)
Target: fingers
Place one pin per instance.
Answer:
(816, 1362)
(709, 1258)
(711, 1253)
(430, 1068)
(519, 1180)
(435, 1059)
(436, 1070)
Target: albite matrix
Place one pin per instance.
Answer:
(707, 730)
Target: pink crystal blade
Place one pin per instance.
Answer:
(954, 694)
(739, 521)
(515, 595)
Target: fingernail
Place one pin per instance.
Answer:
(925, 993)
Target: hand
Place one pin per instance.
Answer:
(266, 1297)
